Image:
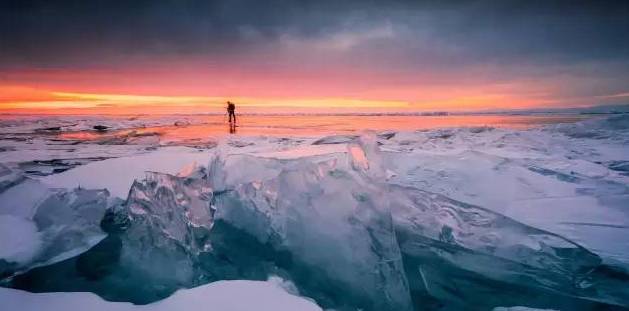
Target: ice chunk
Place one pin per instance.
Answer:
(155, 238)
(333, 223)
(69, 222)
(65, 222)
(287, 285)
(227, 171)
(541, 178)
(163, 226)
(22, 195)
(9, 178)
(193, 170)
(442, 219)
(448, 245)
(179, 202)
(600, 128)
(336, 139)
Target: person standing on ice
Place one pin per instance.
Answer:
(231, 110)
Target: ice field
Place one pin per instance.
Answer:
(475, 217)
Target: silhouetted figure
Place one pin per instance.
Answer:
(231, 110)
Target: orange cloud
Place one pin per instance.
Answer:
(184, 88)
(14, 93)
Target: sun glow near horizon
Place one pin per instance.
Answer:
(25, 100)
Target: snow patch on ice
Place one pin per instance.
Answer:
(117, 175)
(519, 308)
(19, 240)
(218, 296)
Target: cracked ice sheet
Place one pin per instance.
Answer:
(524, 174)
(20, 124)
(539, 177)
(118, 174)
(217, 296)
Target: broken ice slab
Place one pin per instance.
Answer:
(449, 245)
(342, 247)
(69, 222)
(9, 178)
(335, 228)
(155, 238)
(66, 222)
(54, 166)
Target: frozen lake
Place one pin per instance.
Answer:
(534, 204)
(185, 127)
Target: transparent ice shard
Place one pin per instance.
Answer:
(66, 222)
(334, 225)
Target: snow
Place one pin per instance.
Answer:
(519, 308)
(19, 239)
(217, 296)
(22, 198)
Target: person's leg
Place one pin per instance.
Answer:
(230, 117)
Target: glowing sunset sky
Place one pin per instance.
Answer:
(190, 56)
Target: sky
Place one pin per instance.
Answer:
(187, 56)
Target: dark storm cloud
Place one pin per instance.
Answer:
(551, 29)
(83, 32)
(55, 30)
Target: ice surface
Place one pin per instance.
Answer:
(461, 218)
(22, 124)
(48, 145)
(217, 296)
(117, 175)
(540, 177)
